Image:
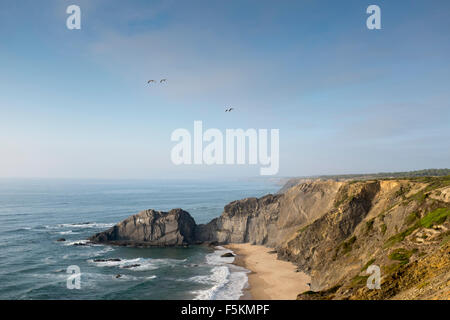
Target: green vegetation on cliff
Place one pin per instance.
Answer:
(436, 217)
(402, 255)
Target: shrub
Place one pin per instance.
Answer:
(411, 218)
(383, 228)
(401, 255)
(369, 225)
(369, 263)
(348, 245)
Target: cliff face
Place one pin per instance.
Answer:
(331, 230)
(402, 226)
(271, 219)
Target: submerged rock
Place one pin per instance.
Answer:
(227, 255)
(107, 260)
(131, 266)
(80, 244)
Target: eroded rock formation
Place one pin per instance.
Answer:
(151, 228)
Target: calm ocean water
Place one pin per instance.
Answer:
(35, 213)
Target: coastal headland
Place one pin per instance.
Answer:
(330, 231)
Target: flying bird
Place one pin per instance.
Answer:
(163, 80)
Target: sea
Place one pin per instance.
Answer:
(35, 213)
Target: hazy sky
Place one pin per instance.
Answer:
(75, 103)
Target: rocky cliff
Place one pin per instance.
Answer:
(332, 230)
(271, 219)
(402, 226)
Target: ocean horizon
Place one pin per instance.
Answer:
(36, 213)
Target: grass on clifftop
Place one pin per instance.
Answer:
(418, 174)
(433, 183)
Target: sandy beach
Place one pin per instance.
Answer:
(270, 278)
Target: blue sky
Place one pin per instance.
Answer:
(75, 104)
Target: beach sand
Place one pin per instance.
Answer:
(270, 278)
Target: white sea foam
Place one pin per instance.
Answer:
(82, 242)
(219, 277)
(88, 280)
(127, 277)
(103, 251)
(228, 281)
(144, 267)
(110, 263)
(88, 253)
(142, 264)
(67, 232)
(81, 225)
(48, 260)
(216, 258)
(77, 242)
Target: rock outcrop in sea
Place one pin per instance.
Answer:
(151, 228)
(332, 230)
